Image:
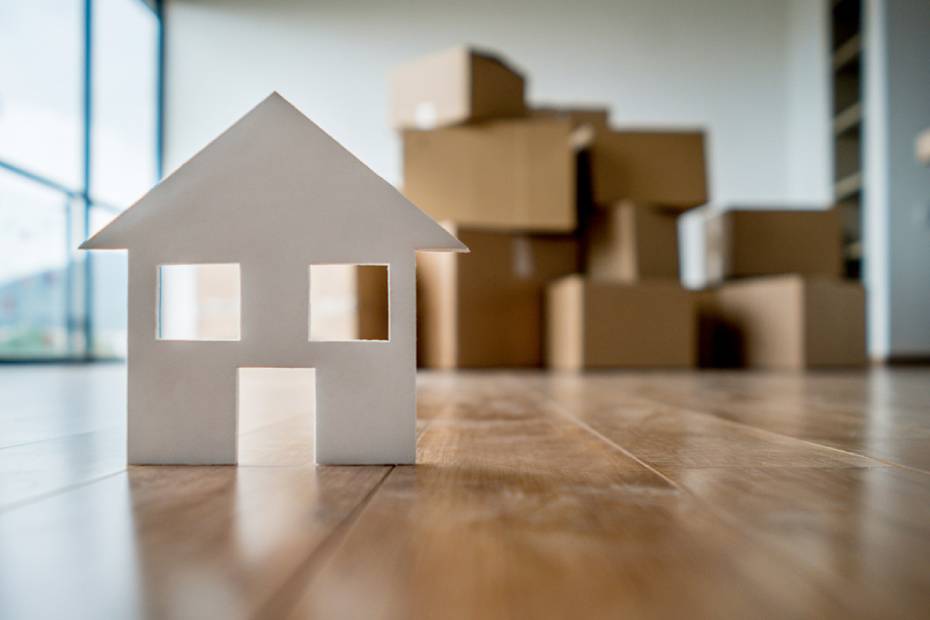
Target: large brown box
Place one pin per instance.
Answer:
(662, 167)
(515, 175)
(484, 309)
(597, 324)
(629, 242)
(786, 322)
(454, 86)
(755, 242)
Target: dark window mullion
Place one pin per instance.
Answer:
(87, 136)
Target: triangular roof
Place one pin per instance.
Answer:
(273, 175)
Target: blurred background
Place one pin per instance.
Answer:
(803, 105)
(80, 140)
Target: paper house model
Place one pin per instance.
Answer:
(273, 194)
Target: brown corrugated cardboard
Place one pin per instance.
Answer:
(516, 175)
(454, 86)
(597, 324)
(661, 167)
(629, 242)
(755, 242)
(484, 309)
(787, 322)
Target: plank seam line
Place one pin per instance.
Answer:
(301, 575)
(776, 549)
(576, 420)
(766, 431)
(65, 489)
(65, 436)
(304, 572)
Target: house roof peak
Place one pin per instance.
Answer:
(273, 167)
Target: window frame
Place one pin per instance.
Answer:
(80, 286)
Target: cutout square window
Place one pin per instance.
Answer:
(198, 302)
(349, 302)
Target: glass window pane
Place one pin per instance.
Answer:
(110, 274)
(40, 87)
(34, 255)
(125, 46)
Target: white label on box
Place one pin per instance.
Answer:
(424, 115)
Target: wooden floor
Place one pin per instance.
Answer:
(634, 495)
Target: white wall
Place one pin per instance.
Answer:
(810, 148)
(732, 66)
(897, 188)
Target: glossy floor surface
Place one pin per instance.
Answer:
(634, 495)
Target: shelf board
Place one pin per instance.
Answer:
(848, 52)
(847, 119)
(922, 147)
(848, 186)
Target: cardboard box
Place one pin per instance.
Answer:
(629, 242)
(662, 167)
(784, 322)
(755, 242)
(452, 87)
(516, 175)
(485, 308)
(597, 324)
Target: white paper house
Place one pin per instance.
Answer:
(274, 194)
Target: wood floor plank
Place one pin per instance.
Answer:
(40, 468)
(652, 495)
(515, 511)
(672, 438)
(910, 452)
(852, 412)
(828, 509)
(276, 424)
(42, 403)
(172, 542)
(869, 528)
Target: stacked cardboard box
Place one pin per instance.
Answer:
(455, 86)
(503, 178)
(526, 189)
(780, 301)
(601, 324)
(630, 310)
(485, 308)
